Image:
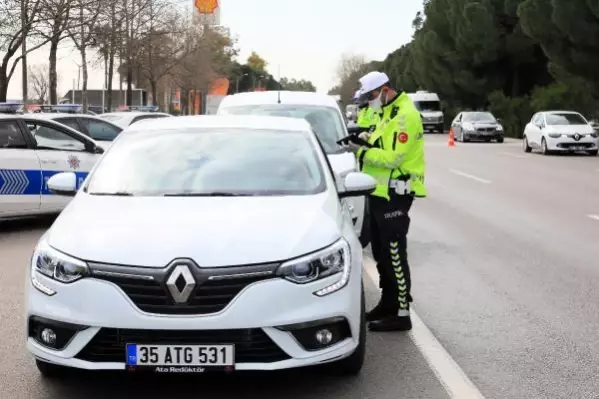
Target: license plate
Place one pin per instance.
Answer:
(180, 355)
(577, 148)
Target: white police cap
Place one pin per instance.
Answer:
(372, 81)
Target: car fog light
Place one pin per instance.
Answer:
(324, 336)
(52, 334)
(48, 336)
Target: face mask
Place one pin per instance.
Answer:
(377, 103)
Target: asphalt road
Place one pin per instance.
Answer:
(505, 275)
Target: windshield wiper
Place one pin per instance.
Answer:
(209, 194)
(116, 194)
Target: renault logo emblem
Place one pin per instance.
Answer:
(577, 137)
(180, 284)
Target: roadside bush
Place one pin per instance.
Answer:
(571, 96)
(513, 112)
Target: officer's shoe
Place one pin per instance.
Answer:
(400, 321)
(379, 312)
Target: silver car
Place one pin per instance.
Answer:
(477, 125)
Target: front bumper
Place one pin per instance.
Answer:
(483, 135)
(110, 320)
(567, 144)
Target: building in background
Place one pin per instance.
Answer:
(94, 98)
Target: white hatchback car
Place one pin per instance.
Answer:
(560, 131)
(202, 243)
(326, 119)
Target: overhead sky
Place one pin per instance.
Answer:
(304, 39)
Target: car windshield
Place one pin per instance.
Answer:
(326, 122)
(210, 162)
(486, 117)
(565, 119)
(427, 106)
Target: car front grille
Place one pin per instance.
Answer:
(485, 129)
(570, 145)
(251, 345)
(215, 287)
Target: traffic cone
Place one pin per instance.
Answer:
(451, 140)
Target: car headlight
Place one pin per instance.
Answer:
(333, 260)
(499, 128)
(594, 135)
(555, 135)
(57, 265)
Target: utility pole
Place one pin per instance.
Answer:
(24, 30)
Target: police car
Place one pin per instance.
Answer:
(324, 115)
(102, 131)
(133, 115)
(32, 149)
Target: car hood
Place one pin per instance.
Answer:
(213, 231)
(569, 129)
(476, 125)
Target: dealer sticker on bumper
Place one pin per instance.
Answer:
(180, 355)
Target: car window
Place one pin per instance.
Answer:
(11, 136)
(202, 161)
(48, 137)
(565, 119)
(142, 117)
(326, 122)
(70, 122)
(100, 130)
(485, 117)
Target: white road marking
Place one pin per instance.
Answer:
(447, 371)
(509, 154)
(595, 217)
(468, 176)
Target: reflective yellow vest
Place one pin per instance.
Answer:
(399, 148)
(366, 117)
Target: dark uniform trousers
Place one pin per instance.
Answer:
(390, 222)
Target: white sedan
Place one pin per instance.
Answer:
(560, 131)
(202, 243)
(126, 118)
(32, 149)
(326, 119)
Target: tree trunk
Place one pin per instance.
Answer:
(153, 85)
(84, 86)
(53, 78)
(3, 84)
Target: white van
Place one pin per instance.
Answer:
(429, 106)
(323, 113)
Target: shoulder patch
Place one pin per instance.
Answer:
(402, 137)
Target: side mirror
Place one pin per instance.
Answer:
(357, 184)
(98, 150)
(499, 120)
(64, 183)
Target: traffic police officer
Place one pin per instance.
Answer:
(396, 160)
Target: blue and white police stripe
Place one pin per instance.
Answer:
(30, 182)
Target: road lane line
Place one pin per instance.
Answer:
(595, 217)
(468, 176)
(448, 372)
(509, 154)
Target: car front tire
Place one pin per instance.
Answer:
(544, 149)
(352, 365)
(500, 139)
(525, 145)
(49, 370)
